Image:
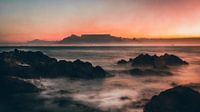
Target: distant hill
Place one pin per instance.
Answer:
(38, 41)
(93, 38)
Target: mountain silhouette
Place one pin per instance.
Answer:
(107, 39)
(93, 38)
(38, 41)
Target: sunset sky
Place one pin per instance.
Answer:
(22, 20)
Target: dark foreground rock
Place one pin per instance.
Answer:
(70, 105)
(178, 99)
(33, 103)
(28, 64)
(12, 86)
(155, 61)
(122, 61)
(18, 95)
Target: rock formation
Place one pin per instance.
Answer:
(155, 61)
(11, 86)
(178, 99)
(122, 61)
(145, 64)
(28, 64)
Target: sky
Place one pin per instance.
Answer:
(22, 20)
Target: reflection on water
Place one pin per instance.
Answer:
(122, 92)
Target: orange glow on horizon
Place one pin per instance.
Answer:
(57, 37)
(55, 20)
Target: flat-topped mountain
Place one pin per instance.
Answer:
(93, 38)
(108, 39)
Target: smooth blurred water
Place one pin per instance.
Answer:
(106, 93)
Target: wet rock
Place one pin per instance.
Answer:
(144, 60)
(28, 64)
(11, 86)
(70, 105)
(124, 98)
(122, 61)
(155, 61)
(21, 103)
(178, 99)
(141, 72)
(33, 103)
(145, 64)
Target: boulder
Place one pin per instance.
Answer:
(144, 60)
(122, 61)
(177, 99)
(155, 61)
(28, 64)
(11, 86)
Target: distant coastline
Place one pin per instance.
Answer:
(99, 39)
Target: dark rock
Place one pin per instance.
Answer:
(178, 99)
(11, 86)
(145, 64)
(27, 64)
(155, 61)
(122, 61)
(140, 72)
(33, 103)
(70, 105)
(144, 60)
(124, 98)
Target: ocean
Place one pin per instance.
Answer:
(122, 92)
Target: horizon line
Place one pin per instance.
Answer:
(156, 37)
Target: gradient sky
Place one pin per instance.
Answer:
(22, 20)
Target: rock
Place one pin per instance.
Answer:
(177, 99)
(144, 60)
(124, 98)
(122, 61)
(11, 86)
(145, 64)
(137, 71)
(35, 103)
(155, 61)
(70, 105)
(27, 64)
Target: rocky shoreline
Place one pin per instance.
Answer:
(28, 64)
(17, 93)
(18, 65)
